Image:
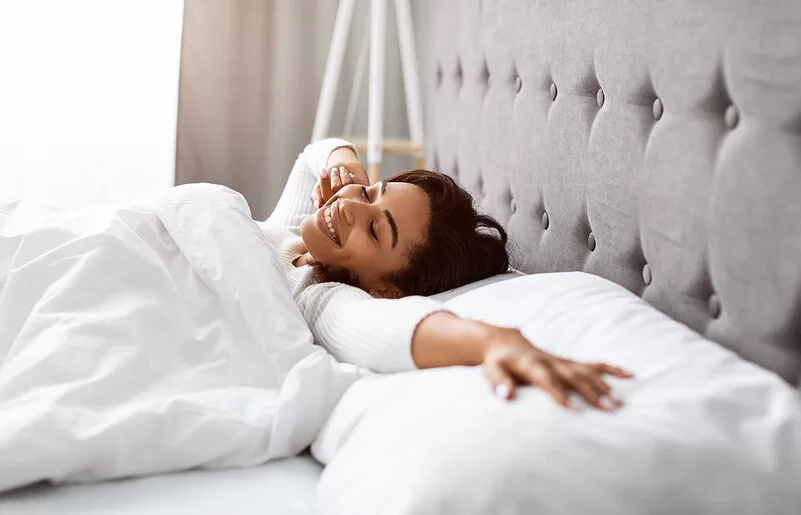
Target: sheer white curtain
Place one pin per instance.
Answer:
(88, 98)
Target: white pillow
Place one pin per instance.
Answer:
(702, 431)
(461, 290)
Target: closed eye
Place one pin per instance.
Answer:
(371, 225)
(371, 228)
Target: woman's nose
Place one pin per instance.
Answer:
(346, 210)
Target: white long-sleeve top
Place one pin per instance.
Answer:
(352, 325)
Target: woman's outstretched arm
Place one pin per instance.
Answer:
(388, 335)
(509, 359)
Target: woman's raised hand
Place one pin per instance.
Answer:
(336, 176)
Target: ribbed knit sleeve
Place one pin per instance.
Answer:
(356, 328)
(294, 204)
(353, 326)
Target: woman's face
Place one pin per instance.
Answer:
(374, 228)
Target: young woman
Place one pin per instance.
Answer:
(360, 259)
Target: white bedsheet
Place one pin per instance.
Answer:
(151, 338)
(281, 487)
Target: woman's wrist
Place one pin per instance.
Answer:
(341, 155)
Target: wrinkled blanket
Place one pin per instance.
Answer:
(150, 338)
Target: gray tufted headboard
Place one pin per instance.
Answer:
(657, 144)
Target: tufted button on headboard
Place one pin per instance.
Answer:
(657, 144)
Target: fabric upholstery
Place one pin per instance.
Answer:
(657, 144)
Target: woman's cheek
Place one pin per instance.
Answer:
(315, 241)
(365, 255)
(355, 244)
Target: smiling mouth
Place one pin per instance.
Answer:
(327, 214)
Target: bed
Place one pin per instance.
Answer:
(656, 145)
(649, 152)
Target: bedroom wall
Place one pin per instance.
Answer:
(88, 98)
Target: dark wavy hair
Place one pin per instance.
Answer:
(460, 245)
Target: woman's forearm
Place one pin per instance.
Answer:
(443, 339)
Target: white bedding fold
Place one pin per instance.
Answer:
(151, 338)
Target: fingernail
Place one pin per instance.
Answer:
(609, 403)
(324, 173)
(503, 391)
(342, 169)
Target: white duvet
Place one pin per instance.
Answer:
(151, 338)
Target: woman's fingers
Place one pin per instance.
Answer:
(503, 384)
(336, 180)
(597, 381)
(515, 361)
(316, 196)
(325, 187)
(331, 181)
(603, 368)
(607, 400)
(589, 377)
(345, 176)
(592, 376)
(578, 382)
(538, 373)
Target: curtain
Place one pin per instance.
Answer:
(250, 78)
